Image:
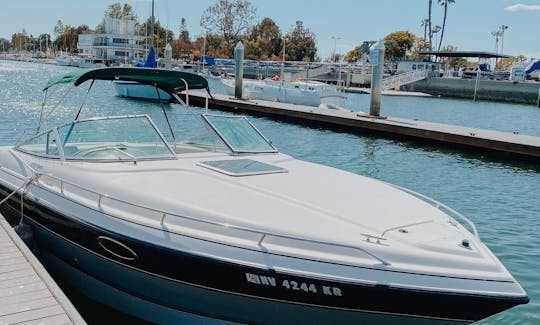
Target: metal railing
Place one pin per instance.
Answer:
(451, 212)
(100, 204)
(403, 79)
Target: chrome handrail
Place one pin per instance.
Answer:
(439, 205)
(164, 214)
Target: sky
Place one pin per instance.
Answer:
(339, 25)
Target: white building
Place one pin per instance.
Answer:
(413, 65)
(120, 41)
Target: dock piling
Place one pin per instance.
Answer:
(376, 60)
(239, 69)
(168, 56)
(477, 82)
(538, 99)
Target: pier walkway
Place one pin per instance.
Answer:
(436, 133)
(28, 295)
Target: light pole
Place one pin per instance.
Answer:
(335, 43)
(283, 60)
(502, 29)
(497, 34)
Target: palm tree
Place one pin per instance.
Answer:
(444, 3)
(425, 25)
(430, 3)
(435, 30)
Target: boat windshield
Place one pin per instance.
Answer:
(231, 133)
(108, 138)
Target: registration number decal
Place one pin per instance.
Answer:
(307, 287)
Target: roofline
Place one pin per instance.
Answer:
(466, 54)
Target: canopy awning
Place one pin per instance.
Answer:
(169, 81)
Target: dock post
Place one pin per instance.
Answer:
(239, 69)
(376, 60)
(349, 76)
(168, 56)
(477, 82)
(538, 98)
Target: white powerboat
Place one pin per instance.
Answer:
(221, 227)
(309, 93)
(67, 60)
(142, 91)
(86, 61)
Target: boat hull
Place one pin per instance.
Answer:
(139, 91)
(218, 307)
(171, 285)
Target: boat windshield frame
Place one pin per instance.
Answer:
(227, 141)
(56, 144)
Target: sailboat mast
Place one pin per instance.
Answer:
(152, 26)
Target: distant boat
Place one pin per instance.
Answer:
(90, 62)
(135, 90)
(534, 65)
(66, 61)
(309, 93)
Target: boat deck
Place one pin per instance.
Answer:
(28, 295)
(435, 133)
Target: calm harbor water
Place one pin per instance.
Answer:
(501, 197)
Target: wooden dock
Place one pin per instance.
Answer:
(452, 136)
(28, 294)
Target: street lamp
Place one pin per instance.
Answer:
(283, 59)
(501, 30)
(496, 34)
(335, 43)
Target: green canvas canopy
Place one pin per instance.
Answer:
(169, 81)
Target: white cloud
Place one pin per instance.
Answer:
(522, 7)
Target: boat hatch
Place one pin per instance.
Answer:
(237, 134)
(241, 167)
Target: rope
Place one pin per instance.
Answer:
(23, 186)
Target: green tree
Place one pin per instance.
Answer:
(300, 44)
(216, 46)
(116, 10)
(252, 51)
(507, 63)
(453, 61)
(184, 33)
(182, 49)
(229, 19)
(43, 41)
(268, 38)
(420, 44)
(4, 44)
(19, 41)
(353, 55)
(404, 42)
(162, 35)
(68, 39)
(445, 4)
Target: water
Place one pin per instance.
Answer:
(502, 198)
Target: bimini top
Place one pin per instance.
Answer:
(169, 81)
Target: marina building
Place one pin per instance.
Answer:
(119, 42)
